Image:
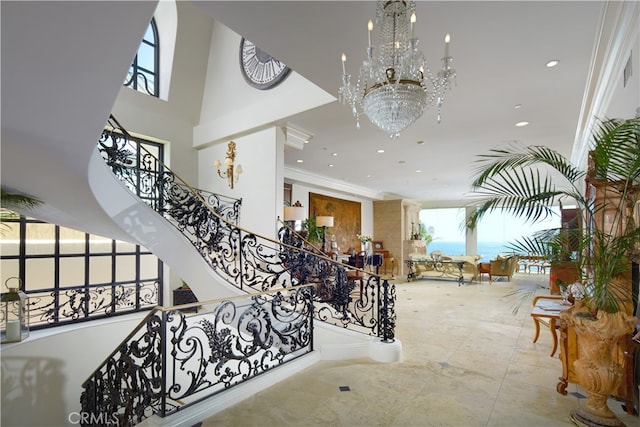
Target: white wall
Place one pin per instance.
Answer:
(231, 107)
(625, 100)
(42, 377)
(172, 121)
(260, 185)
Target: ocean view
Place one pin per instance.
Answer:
(494, 232)
(488, 250)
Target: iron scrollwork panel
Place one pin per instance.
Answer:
(237, 341)
(72, 304)
(129, 386)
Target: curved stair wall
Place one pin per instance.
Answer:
(171, 361)
(154, 232)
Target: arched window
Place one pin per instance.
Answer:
(143, 74)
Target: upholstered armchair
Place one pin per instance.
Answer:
(503, 267)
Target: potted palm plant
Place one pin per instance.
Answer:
(529, 182)
(312, 232)
(9, 201)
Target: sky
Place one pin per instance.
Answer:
(494, 227)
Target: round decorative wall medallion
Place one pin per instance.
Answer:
(260, 69)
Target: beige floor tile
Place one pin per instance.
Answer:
(468, 361)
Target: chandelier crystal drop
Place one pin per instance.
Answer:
(395, 86)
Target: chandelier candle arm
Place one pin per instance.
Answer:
(447, 39)
(394, 87)
(413, 27)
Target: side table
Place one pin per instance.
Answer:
(546, 310)
(484, 268)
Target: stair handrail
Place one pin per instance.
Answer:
(130, 381)
(172, 359)
(180, 307)
(298, 265)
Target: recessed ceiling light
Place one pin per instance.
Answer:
(521, 124)
(300, 161)
(418, 170)
(368, 176)
(330, 165)
(380, 151)
(334, 154)
(306, 141)
(552, 63)
(517, 106)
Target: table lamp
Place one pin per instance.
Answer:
(324, 222)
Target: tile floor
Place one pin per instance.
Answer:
(468, 360)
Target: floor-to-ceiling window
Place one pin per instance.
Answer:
(72, 276)
(497, 230)
(444, 227)
(494, 233)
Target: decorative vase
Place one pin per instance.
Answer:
(597, 369)
(367, 248)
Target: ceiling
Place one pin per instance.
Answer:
(500, 50)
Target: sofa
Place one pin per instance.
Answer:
(439, 266)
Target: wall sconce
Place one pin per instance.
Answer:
(324, 222)
(232, 172)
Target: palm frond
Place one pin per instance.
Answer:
(505, 159)
(529, 182)
(10, 201)
(616, 150)
(13, 200)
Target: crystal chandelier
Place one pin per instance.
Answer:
(395, 86)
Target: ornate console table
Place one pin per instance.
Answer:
(434, 268)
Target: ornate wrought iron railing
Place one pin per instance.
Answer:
(155, 184)
(249, 261)
(68, 299)
(368, 308)
(191, 358)
(174, 359)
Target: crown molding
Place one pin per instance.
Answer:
(320, 181)
(618, 30)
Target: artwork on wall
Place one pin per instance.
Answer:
(346, 219)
